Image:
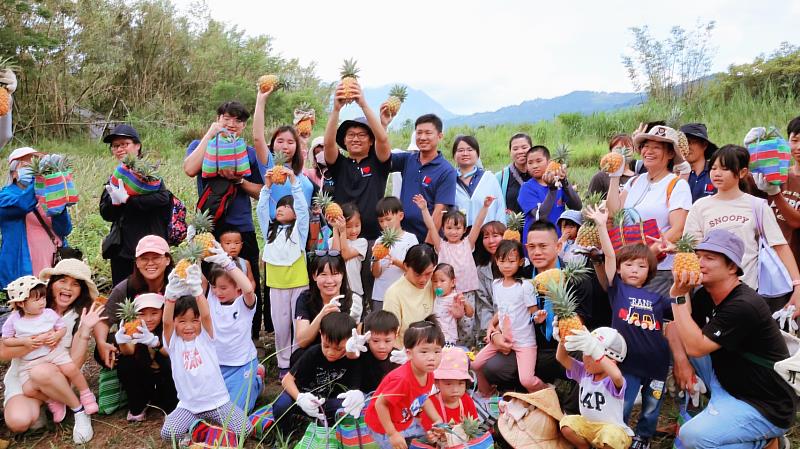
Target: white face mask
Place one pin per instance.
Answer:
(320, 158)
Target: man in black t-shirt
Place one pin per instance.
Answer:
(718, 331)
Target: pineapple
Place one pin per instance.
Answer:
(187, 254)
(127, 313)
(388, 238)
(397, 95)
(332, 210)
(102, 300)
(5, 95)
(613, 160)
(674, 122)
(564, 305)
(588, 235)
(203, 238)
(349, 73)
(472, 427)
(574, 270)
(278, 170)
(685, 258)
(142, 168)
(557, 162)
(268, 82)
(306, 124)
(514, 222)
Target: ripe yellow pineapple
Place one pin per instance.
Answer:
(306, 123)
(564, 304)
(267, 82)
(514, 222)
(5, 95)
(683, 144)
(557, 162)
(187, 254)
(349, 73)
(613, 160)
(278, 170)
(387, 240)
(588, 235)
(127, 313)
(331, 210)
(685, 259)
(397, 95)
(574, 270)
(203, 238)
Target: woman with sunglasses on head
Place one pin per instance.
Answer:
(328, 292)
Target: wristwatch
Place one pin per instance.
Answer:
(679, 300)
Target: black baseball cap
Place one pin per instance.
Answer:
(123, 130)
(347, 124)
(699, 131)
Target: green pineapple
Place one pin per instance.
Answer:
(588, 234)
(514, 222)
(564, 305)
(127, 313)
(397, 95)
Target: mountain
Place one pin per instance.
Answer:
(416, 104)
(543, 109)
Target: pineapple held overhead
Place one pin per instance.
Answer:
(187, 254)
(588, 234)
(306, 123)
(685, 258)
(387, 240)
(127, 313)
(331, 210)
(203, 238)
(268, 82)
(5, 95)
(397, 95)
(564, 307)
(278, 170)
(514, 222)
(349, 73)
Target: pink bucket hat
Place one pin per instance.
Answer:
(152, 244)
(454, 365)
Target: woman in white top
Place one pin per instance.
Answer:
(474, 184)
(658, 194)
(739, 212)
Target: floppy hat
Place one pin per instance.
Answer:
(660, 133)
(146, 300)
(73, 268)
(123, 130)
(699, 131)
(347, 124)
(20, 153)
(454, 365)
(571, 215)
(152, 244)
(318, 141)
(19, 289)
(725, 243)
(545, 400)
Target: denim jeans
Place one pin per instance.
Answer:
(414, 431)
(652, 397)
(726, 422)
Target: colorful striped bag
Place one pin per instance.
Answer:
(353, 433)
(770, 155)
(226, 153)
(133, 183)
(485, 441)
(110, 395)
(318, 437)
(212, 435)
(55, 191)
(261, 419)
(638, 232)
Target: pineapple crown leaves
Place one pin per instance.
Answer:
(190, 251)
(399, 91)
(561, 154)
(514, 220)
(142, 167)
(575, 270)
(127, 310)
(349, 69)
(8, 64)
(686, 244)
(50, 164)
(389, 237)
(202, 222)
(279, 158)
(562, 298)
(675, 117)
(620, 218)
(322, 199)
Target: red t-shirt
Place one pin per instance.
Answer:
(405, 397)
(456, 415)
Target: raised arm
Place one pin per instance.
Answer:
(259, 134)
(222, 259)
(262, 208)
(600, 217)
(193, 163)
(475, 232)
(433, 230)
(383, 148)
(331, 148)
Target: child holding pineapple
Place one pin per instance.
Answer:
(345, 239)
(284, 256)
(231, 242)
(451, 378)
(390, 249)
(638, 314)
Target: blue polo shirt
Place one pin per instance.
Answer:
(436, 181)
(240, 212)
(701, 185)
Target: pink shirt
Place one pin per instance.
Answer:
(40, 246)
(459, 255)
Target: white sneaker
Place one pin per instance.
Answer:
(82, 431)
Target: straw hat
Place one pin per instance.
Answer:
(73, 268)
(660, 133)
(534, 430)
(545, 399)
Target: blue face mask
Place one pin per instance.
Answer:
(438, 291)
(25, 175)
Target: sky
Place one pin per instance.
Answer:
(473, 56)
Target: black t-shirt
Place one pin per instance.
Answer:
(512, 190)
(313, 373)
(363, 183)
(584, 293)
(741, 323)
(373, 371)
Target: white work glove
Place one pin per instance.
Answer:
(398, 356)
(190, 233)
(682, 169)
(145, 337)
(120, 337)
(784, 319)
(697, 389)
(352, 402)
(310, 404)
(9, 79)
(117, 193)
(220, 257)
(754, 135)
(582, 340)
(357, 343)
(194, 282)
(176, 287)
(764, 186)
(672, 386)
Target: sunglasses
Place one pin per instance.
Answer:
(327, 252)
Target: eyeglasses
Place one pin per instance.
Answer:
(121, 145)
(359, 136)
(327, 252)
(465, 150)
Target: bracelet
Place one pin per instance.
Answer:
(492, 334)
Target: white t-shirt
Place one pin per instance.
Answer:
(232, 327)
(736, 216)
(390, 272)
(353, 266)
(195, 370)
(19, 326)
(511, 304)
(442, 308)
(650, 201)
(599, 401)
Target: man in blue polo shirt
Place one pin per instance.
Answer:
(700, 151)
(428, 173)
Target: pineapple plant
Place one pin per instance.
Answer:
(203, 238)
(574, 270)
(388, 238)
(325, 202)
(127, 313)
(142, 168)
(306, 123)
(43, 167)
(514, 222)
(685, 258)
(613, 160)
(279, 159)
(557, 162)
(564, 305)
(588, 234)
(268, 82)
(5, 95)
(397, 95)
(349, 73)
(187, 254)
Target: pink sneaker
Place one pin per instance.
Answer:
(261, 372)
(89, 402)
(58, 409)
(135, 418)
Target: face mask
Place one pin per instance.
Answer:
(25, 175)
(320, 158)
(438, 291)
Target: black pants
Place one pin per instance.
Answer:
(143, 384)
(250, 252)
(121, 268)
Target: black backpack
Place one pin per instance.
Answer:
(216, 198)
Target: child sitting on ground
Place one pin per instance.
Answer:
(380, 331)
(449, 305)
(451, 378)
(230, 240)
(346, 231)
(403, 394)
(601, 386)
